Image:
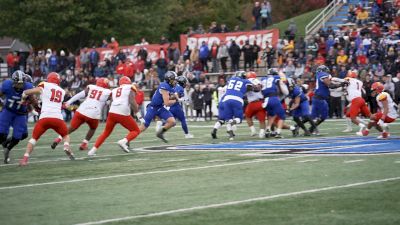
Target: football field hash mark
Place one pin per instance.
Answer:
(353, 161)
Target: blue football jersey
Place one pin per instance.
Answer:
(237, 87)
(298, 92)
(157, 99)
(270, 85)
(13, 98)
(180, 91)
(321, 89)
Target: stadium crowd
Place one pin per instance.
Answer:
(367, 44)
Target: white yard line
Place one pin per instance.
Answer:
(218, 160)
(176, 160)
(354, 161)
(146, 173)
(134, 160)
(250, 200)
(308, 160)
(396, 161)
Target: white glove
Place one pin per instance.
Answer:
(381, 123)
(140, 117)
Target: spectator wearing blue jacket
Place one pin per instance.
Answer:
(94, 58)
(53, 62)
(330, 43)
(204, 53)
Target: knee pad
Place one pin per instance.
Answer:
(32, 141)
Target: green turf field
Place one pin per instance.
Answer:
(180, 187)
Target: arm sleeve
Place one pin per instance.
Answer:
(76, 97)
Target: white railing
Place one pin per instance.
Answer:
(320, 20)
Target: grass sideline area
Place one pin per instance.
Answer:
(301, 22)
(180, 187)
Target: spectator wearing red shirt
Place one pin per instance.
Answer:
(375, 31)
(140, 64)
(322, 46)
(10, 63)
(362, 59)
(214, 58)
(320, 59)
(114, 45)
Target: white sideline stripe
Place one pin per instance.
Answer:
(218, 160)
(176, 160)
(353, 161)
(218, 205)
(146, 173)
(309, 160)
(396, 161)
(134, 160)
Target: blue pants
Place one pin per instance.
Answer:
(274, 107)
(17, 121)
(302, 111)
(320, 109)
(177, 112)
(232, 109)
(153, 111)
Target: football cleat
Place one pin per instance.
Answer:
(261, 134)
(347, 130)
(384, 135)
(55, 143)
(83, 146)
(231, 135)
(122, 144)
(307, 133)
(160, 135)
(92, 152)
(69, 153)
(278, 136)
(214, 134)
(24, 161)
(295, 132)
(253, 133)
(189, 136)
(6, 155)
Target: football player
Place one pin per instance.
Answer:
(386, 115)
(122, 102)
(272, 87)
(52, 96)
(163, 97)
(232, 110)
(221, 90)
(14, 113)
(89, 111)
(299, 107)
(254, 106)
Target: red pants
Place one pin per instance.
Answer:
(255, 109)
(113, 119)
(379, 115)
(358, 106)
(44, 124)
(79, 119)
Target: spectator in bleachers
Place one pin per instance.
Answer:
(299, 71)
(173, 53)
(10, 63)
(163, 40)
(291, 30)
(362, 17)
(247, 50)
(104, 43)
(151, 78)
(114, 45)
(312, 48)
(256, 50)
(200, 29)
(214, 28)
(94, 58)
(342, 58)
(223, 54)
(204, 53)
(53, 62)
(162, 65)
(351, 14)
(138, 77)
(214, 57)
(186, 53)
(264, 15)
(268, 55)
(198, 102)
(388, 84)
(84, 59)
(289, 69)
(256, 12)
(224, 28)
(194, 55)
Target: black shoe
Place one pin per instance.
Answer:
(231, 135)
(69, 154)
(295, 132)
(214, 134)
(54, 145)
(273, 134)
(267, 134)
(307, 133)
(160, 135)
(278, 136)
(6, 155)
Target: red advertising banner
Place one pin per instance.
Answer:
(260, 36)
(131, 51)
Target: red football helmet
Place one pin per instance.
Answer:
(124, 80)
(352, 74)
(377, 87)
(251, 74)
(54, 78)
(102, 82)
